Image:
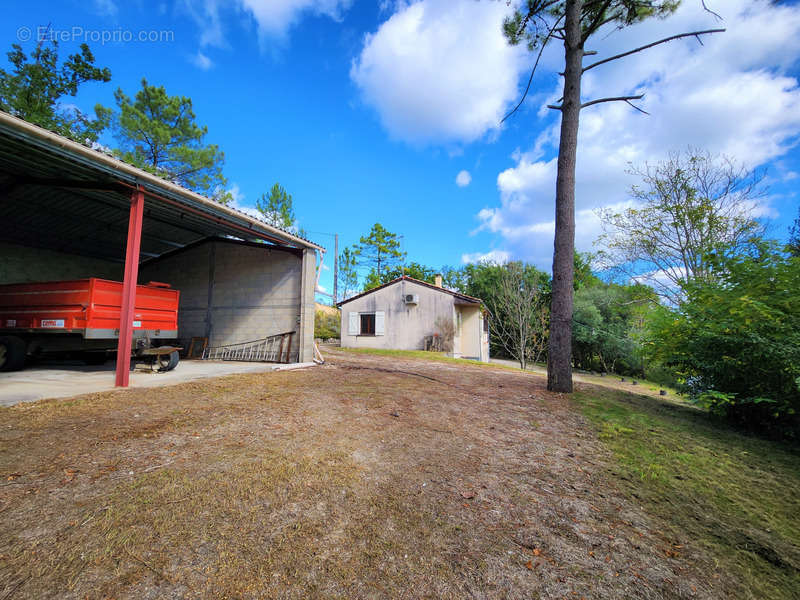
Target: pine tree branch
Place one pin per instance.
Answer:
(533, 70)
(594, 25)
(617, 99)
(696, 34)
(708, 10)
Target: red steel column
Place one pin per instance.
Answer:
(129, 288)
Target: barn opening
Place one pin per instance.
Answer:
(69, 212)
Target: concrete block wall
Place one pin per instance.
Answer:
(187, 271)
(236, 292)
(21, 264)
(308, 306)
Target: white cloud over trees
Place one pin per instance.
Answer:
(439, 71)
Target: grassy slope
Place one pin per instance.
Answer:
(436, 356)
(182, 487)
(737, 496)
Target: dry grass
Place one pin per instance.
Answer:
(370, 477)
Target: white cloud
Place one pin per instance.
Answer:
(105, 8)
(202, 61)
(493, 256)
(439, 71)
(719, 97)
(275, 17)
(236, 193)
(237, 202)
(272, 18)
(463, 178)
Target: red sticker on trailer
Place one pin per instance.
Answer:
(52, 322)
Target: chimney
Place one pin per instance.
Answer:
(437, 281)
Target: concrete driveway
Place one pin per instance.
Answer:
(67, 379)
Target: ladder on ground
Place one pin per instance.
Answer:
(275, 348)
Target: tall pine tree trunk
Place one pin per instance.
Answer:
(559, 356)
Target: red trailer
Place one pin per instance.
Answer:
(83, 316)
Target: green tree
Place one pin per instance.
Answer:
(690, 206)
(158, 133)
(735, 340)
(574, 22)
(518, 311)
(517, 295)
(326, 325)
(412, 269)
(277, 207)
(379, 250)
(455, 278)
(794, 237)
(348, 273)
(35, 87)
(584, 276)
(607, 327)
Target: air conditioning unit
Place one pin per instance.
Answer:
(411, 298)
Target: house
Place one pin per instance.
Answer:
(409, 314)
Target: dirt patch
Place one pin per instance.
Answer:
(366, 477)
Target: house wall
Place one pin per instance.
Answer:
(406, 326)
(470, 331)
(21, 264)
(234, 293)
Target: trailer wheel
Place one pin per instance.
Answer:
(12, 353)
(167, 362)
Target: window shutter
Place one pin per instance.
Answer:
(352, 324)
(380, 318)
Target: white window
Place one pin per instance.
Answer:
(366, 323)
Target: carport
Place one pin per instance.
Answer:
(67, 210)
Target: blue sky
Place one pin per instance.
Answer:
(368, 111)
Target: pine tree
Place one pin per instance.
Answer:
(277, 207)
(36, 85)
(379, 250)
(158, 133)
(574, 22)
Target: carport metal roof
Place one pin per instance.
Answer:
(61, 195)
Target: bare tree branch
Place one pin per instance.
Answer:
(689, 206)
(708, 10)
(615, 99)
(641, 110)
(533, 70)
(519, 315)
(694, 34)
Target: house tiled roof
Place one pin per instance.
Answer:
(458, 295)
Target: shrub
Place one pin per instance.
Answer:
(735, 342)
(326, 325)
